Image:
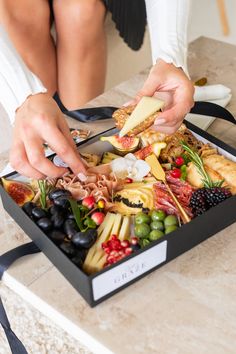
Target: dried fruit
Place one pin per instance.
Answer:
(20, 192)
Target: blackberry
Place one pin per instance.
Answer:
(198, 202)
(216, 195)
(205, 198)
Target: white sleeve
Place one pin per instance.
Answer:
(168, 26)
(17, 82)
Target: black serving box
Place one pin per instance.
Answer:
(102, 285)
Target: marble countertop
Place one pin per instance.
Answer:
(187, 306)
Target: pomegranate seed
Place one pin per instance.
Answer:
(176, 173)
(108, 244)
(134, 240)
(115, 244)
(128, 251)
(121, 253)
(110, 259)
(125, 243)
(104, 245)
(113, 238)
(114, 253)
(179, 161)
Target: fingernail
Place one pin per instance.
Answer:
(160, 121)
(82, 177)
(128, 103)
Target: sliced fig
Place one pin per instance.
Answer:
(19, 191)
(122, 145)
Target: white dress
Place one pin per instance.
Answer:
(167, 21)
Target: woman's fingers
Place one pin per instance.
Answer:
(36, 157)
(63, 148)
(19, 161)
(64, 128)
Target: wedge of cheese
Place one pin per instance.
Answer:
(145, 108)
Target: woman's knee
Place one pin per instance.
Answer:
(31, 18)
(79, 15)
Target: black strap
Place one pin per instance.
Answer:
(212, 110)
(5, 261)
(98, 113)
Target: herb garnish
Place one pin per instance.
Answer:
(198, 162)
(43, 188)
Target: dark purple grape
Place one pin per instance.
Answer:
(45, 224)
(57, 236)
(70, 227)
(59, 193)
(85, 239)
(58, 220)
(68, 249)
(38, 213)
(28, 207)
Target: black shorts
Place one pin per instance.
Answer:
(130, 19)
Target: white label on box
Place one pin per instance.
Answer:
(123, 273)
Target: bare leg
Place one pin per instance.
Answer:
(81, 50)
(28, 24)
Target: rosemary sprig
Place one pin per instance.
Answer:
(196, 159)
(42, 184)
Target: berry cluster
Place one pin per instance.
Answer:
(117, 250)
(205, 198)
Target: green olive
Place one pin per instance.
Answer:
(141, 218)
(158, 215)
(157, 225)
(170, 229)
(155, 235)
(170, 220)
(144, 242)
(142, 230)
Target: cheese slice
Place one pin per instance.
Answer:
(156, 168)
(144, 109)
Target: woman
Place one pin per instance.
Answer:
(80, 70)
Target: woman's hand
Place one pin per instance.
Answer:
(167, 82)
(37, 121)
